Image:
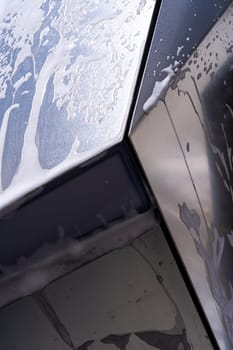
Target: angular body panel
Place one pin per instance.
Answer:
(185, 145)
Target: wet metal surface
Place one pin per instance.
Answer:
(180, 27)
(158, 340)
(68, 71)
(132, 298)
(185, 145)
(51, 315)
(73, 207)
(52, 261)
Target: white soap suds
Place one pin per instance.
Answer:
(93, 57)
(160, 88)
(179, 49)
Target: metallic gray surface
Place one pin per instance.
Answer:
(52, 261)
(132, 298)
(179, 30)
(185, 145)
(68, 71)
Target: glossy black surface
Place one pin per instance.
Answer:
(87, 199)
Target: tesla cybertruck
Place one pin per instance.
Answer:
(116, 174)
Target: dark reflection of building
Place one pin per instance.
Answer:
(218, 110)
(217, 104)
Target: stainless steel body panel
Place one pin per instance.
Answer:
(185, 145)
(68, 72)
(180, 27)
